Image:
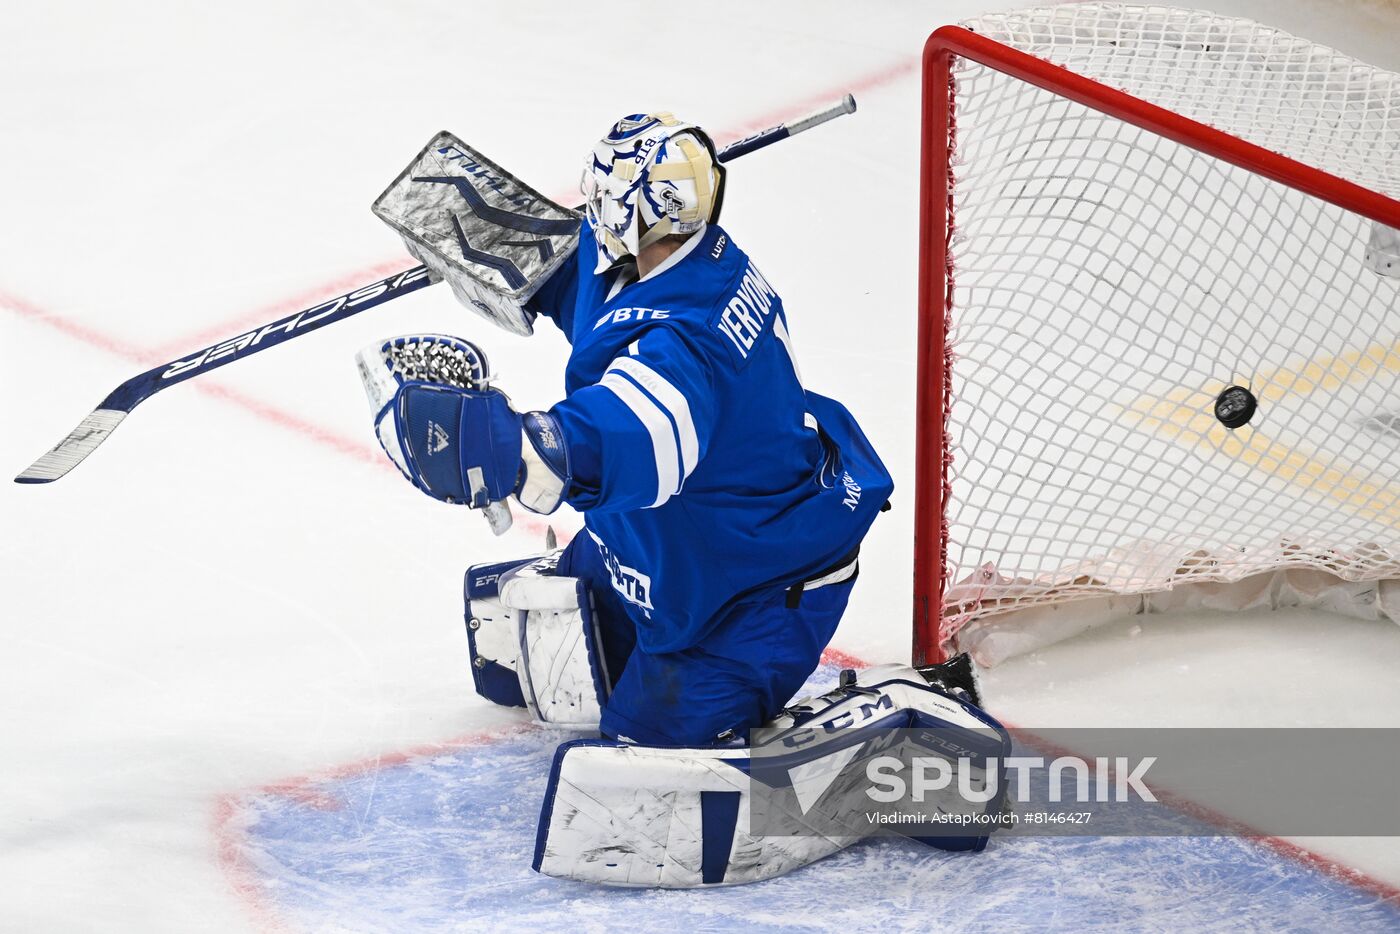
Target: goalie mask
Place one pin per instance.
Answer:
(650, 177)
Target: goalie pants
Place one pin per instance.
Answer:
(740, 675)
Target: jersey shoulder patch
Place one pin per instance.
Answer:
(717, 248)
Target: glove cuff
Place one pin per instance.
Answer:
(544, 463)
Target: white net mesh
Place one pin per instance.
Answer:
(1109, 284)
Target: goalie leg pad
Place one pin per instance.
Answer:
(534, 641)
(675, 817)
(491, 635)
(563, 676)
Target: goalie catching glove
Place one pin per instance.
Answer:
(452, 434)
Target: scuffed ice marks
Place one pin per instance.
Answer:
(443, 842)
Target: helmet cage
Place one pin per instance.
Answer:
(650, 177)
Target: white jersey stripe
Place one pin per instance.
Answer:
(658, 426)
(785, 339)
(661, 407)
(673, 401)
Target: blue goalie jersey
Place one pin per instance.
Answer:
(704, 470)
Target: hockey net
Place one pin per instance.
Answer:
(1126, 211)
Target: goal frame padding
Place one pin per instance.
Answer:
(936, 222)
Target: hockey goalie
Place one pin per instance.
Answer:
(724, 505)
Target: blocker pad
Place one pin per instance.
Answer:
(494, 239)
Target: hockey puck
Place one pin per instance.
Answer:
(1235, 407)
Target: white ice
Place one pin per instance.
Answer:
(237, 590)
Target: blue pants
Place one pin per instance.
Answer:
(738, 677)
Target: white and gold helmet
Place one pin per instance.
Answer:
(650, 177)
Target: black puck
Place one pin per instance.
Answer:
(1235, 407)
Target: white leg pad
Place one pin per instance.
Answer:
(637, 816)
(667, 817)
(540, 628)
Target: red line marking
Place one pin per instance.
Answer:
(842, 659)
(301, 789)
(251, 320)
(1331, 867)
(399, 757)
(868, 82)
(230, 838)
(299, 426)
(94, 338)
(232, 856)
(353, 448)
(1287, 848)
(80, 332)
(1316, 861)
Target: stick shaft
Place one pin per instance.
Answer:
(846, 105)
(270, 335)
(95, 429)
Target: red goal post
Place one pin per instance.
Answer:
(938, 217)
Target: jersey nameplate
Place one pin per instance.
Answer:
(748, 313)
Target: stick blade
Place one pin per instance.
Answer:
(69, 452)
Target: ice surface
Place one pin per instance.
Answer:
(238, 591)
(441, 840)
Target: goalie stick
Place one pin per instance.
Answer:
(102, 421)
